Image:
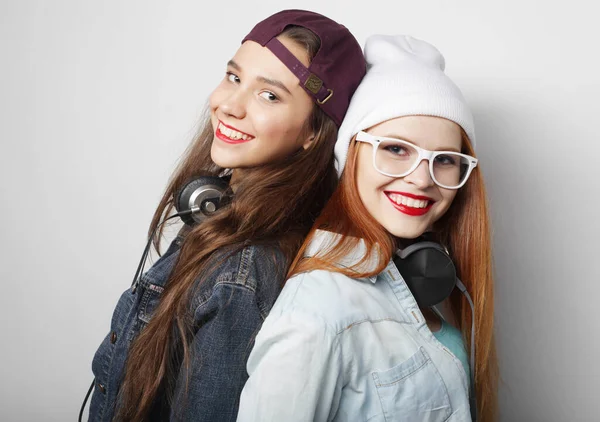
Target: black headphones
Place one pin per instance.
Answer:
(194, 202)
(199, 198)
(426, 266)
(430, 275)
(427, 270)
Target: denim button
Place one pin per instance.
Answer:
(113, 337)
(101, 388)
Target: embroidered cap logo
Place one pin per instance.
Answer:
(313, 83)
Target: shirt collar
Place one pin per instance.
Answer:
(323, 241)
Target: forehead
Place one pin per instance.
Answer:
(256, 60)
(425, 131)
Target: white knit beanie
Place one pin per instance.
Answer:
(405, 77)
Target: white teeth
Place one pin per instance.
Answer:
(233, 134)
(409, 202)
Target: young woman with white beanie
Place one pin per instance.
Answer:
(369, 325)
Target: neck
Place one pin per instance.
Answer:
(403, 243)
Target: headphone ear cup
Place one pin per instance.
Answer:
(428, 272)
(200, 192)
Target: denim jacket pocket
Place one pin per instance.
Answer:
(413, 391)
(149, 298)
(149, 301)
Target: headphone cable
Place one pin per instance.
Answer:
(473, 396)
(87, 396)
(135, 282)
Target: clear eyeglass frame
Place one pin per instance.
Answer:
(424, 154)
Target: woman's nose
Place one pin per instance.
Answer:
(234, 104)
(420, 177)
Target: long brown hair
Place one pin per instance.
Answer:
(465, 229)
(274, 204)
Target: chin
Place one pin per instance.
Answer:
(407, 236)
(403, 233)
(218, 161)
(222, 159)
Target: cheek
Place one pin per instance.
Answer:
(362, 178)
(448, 197)
(275, 125)
(216, 97)
(368, 181)
(362, 187)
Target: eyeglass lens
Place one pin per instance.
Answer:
(397, 158)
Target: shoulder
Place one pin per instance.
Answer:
(331, 298)
(257, 270)
(246, 265)
(265, 267)
(262, 263)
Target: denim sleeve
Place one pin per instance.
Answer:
(295, 371)
(228, 322)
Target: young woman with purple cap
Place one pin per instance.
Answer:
(373, 321)
(180, 337)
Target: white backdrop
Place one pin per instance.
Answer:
(99, 99)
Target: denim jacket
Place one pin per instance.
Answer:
(336, 348)
(229, 308)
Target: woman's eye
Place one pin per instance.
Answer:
(269, 96)
(396, 149)
(232, 77)
(445, 159)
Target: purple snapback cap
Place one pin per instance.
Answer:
(337, 68)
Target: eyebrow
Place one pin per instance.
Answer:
(273, 82)
(404, 138)
(268, 81)
(234, 65)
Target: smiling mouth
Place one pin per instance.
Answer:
(231, 135)
(413, 205)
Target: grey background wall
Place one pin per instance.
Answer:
(99, 99)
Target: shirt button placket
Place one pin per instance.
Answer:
(101, 387)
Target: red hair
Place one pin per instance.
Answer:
(465, 229)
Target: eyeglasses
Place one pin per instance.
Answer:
(398, 158)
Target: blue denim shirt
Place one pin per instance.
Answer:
(230, 307)
(335, 348)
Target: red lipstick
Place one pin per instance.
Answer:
(412, 211)
(229, 140)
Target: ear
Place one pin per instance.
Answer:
(308, 141)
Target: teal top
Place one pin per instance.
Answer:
(452, 339)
